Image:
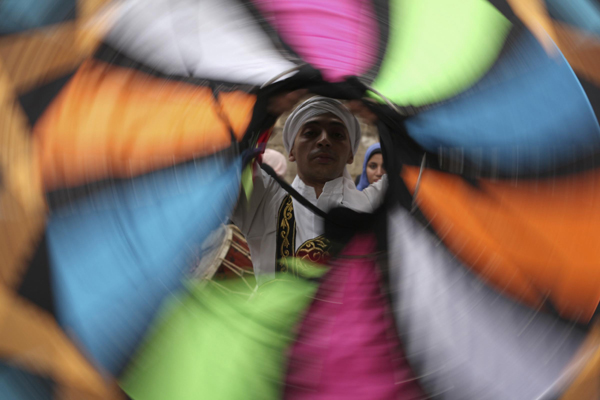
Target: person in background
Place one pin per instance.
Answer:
(275, 160)
(372, 167)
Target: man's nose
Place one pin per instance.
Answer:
(323, 139)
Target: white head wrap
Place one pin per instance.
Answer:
(317, 106)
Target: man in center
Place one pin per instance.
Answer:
(321, 136)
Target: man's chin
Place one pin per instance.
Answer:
(326, 176)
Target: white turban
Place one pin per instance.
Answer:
(317, 106)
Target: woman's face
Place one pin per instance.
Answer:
(375, 168)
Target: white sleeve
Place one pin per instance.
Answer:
(376, 192)
(250, 214)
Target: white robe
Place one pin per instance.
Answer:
(257, 219)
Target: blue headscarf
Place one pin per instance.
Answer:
(364, 181)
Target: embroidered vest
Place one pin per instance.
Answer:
(314, 250)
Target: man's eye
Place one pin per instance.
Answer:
(339, 135)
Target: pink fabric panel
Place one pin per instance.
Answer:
(339, 37)
(346, 346)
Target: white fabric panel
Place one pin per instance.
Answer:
(464, 339)
(214, 39)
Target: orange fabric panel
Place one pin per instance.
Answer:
(581, 51)
(531, 239)
(117, 122)
(235, 105)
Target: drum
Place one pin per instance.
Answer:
(224, 255)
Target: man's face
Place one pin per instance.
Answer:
(322, 149)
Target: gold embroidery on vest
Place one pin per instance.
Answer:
(314, 250)
(286, 233)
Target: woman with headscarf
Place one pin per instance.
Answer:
(373, 169)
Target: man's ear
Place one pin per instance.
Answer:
(291, 157)
(350, 159)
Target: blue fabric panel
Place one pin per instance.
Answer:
(119, 251)
(583, 14)
(527, 114)
(16, 384)
(21, 15)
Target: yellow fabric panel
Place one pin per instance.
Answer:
(587, 383)
(89, 8)
(533, 13)
(36, 57)
(31, 339)
(22, 207)
(117, 122)
(532, 239)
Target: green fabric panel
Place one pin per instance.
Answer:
(439, 48)
(305, 269)
(220, 341)
(247, 183)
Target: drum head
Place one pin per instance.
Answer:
(213, 250)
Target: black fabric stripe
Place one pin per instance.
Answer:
(64, 197)
(36, 285)
(399, 149)
(36, 101)
(294, 193)
(278, 43)
(381, 13)
(381, 9)
(551, 309)
(222, 115)
(27, 385)
(306, 78)
(505, 9)
(110, 55)
(17, 19)
(403, 149)
(593, 93)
